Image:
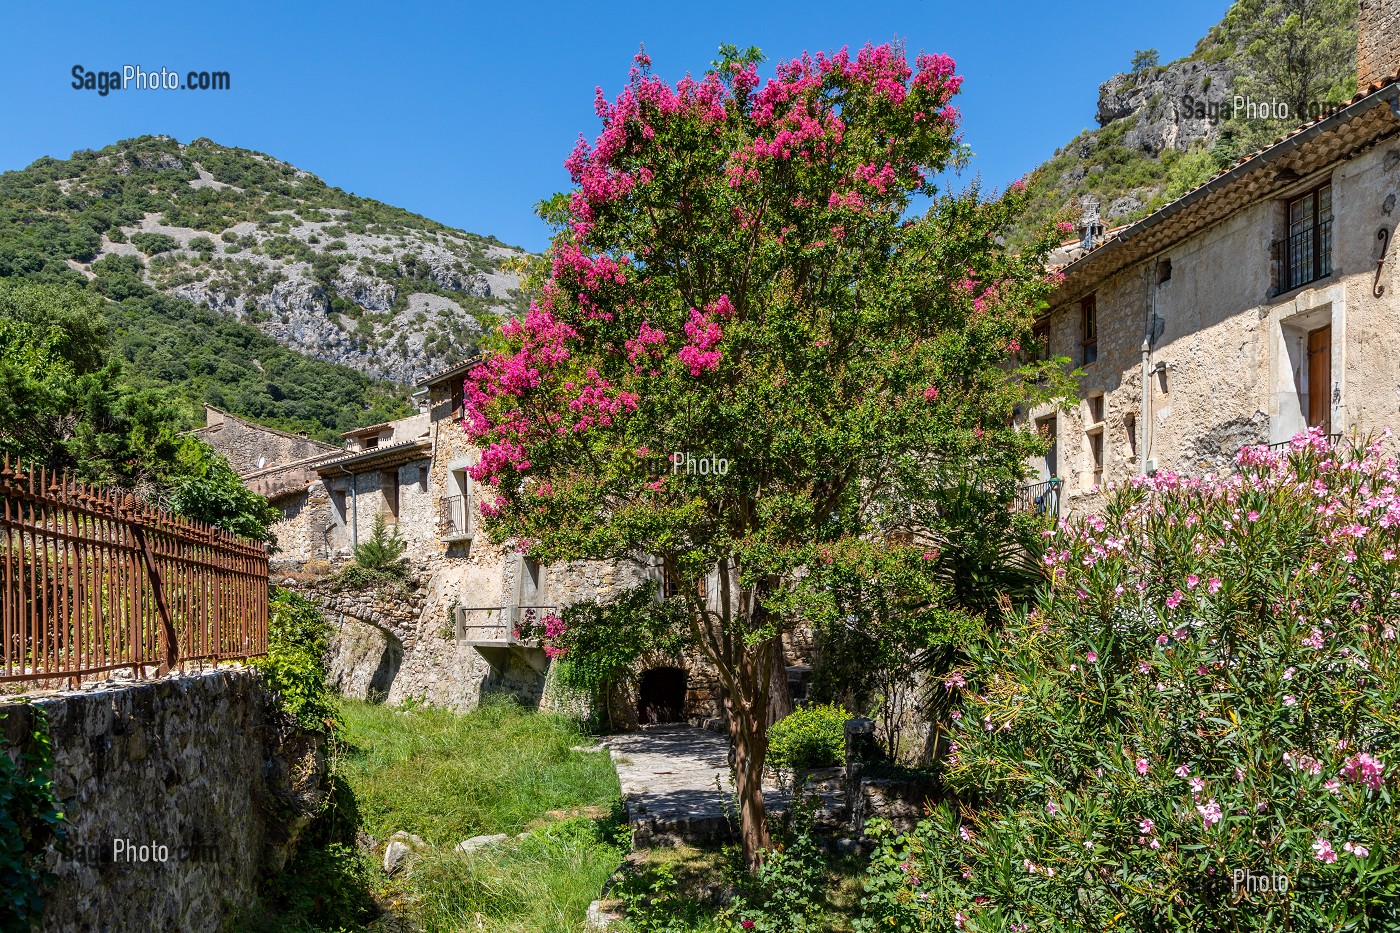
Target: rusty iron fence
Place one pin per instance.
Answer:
(93, 580)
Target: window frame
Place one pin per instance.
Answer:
(1089, 329)
(1319, 241)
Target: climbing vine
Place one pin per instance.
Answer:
(30, 821)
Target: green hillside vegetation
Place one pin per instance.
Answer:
(1302, 52)
(54, 213)
(66, 404)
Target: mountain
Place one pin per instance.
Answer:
(337, 277)
(1164, 129)
(239, 280)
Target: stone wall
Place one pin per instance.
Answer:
(204, 765)
(1377, 41)
(253, 447)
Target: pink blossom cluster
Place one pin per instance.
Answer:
(1364, 769)
(704, 333)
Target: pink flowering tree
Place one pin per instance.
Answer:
(739, 275)
(1199, 711)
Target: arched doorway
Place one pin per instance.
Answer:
(661, 696)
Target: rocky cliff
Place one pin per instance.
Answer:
(339, 278)
(1164, 129)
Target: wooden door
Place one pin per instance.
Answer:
(1320, 379)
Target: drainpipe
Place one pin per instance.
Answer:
(354, 508)
(1146, 419)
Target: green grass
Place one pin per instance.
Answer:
(448, 776)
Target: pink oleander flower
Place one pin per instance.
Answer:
(1356, 849)
(1333, 787)
(1289, 700)
(1183, 771)
(1091, 657)
(1051, 808)
(1174, 599)
(1322, 851)
(956, 714)
(1142, 766)
(957, 680)
(1146, 827)
(1192, 581)
(1213, 585)
(1364, 769)
(1210, 812)
(1288, 674)
(1197, 786)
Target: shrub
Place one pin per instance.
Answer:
(1205, 688)
(153, 243)
(382, 551)
(294, 668)
(811, 737)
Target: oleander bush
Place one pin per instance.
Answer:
(1193, 727)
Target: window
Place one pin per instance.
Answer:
(1095, 409)
(702, 588)
(1040, 339)
(1089, 330)
(531, 582)
(369, 443)
(1306, 254)
(456, 504)
(1130, 428)
(1164, 271)
(389, 485)
(339, 504)
(422, 477)
(1096, 453)
(1048, 429)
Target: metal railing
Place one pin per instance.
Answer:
(93, 580)
(453, 515)
(1304, 257)
(505, 625)
(1041, 498)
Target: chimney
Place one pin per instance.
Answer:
(1377, 42)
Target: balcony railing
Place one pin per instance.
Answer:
(1041, 498)
(498, 633)
(1304, 257)
(1284, 446)
(453, 516)
(500, 625)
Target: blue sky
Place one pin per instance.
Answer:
(464, 112)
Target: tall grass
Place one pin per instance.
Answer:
(447, 776)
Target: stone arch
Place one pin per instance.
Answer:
(661, 695)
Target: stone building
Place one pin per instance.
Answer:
(1260, 304)
(453, 635)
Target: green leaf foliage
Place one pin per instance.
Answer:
(30, 822)
(810, 737)
(294, 667)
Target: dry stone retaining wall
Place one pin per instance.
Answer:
(203, 765)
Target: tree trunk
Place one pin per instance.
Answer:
(749, 738)
(779, 696)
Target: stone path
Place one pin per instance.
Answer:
(676, 784)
